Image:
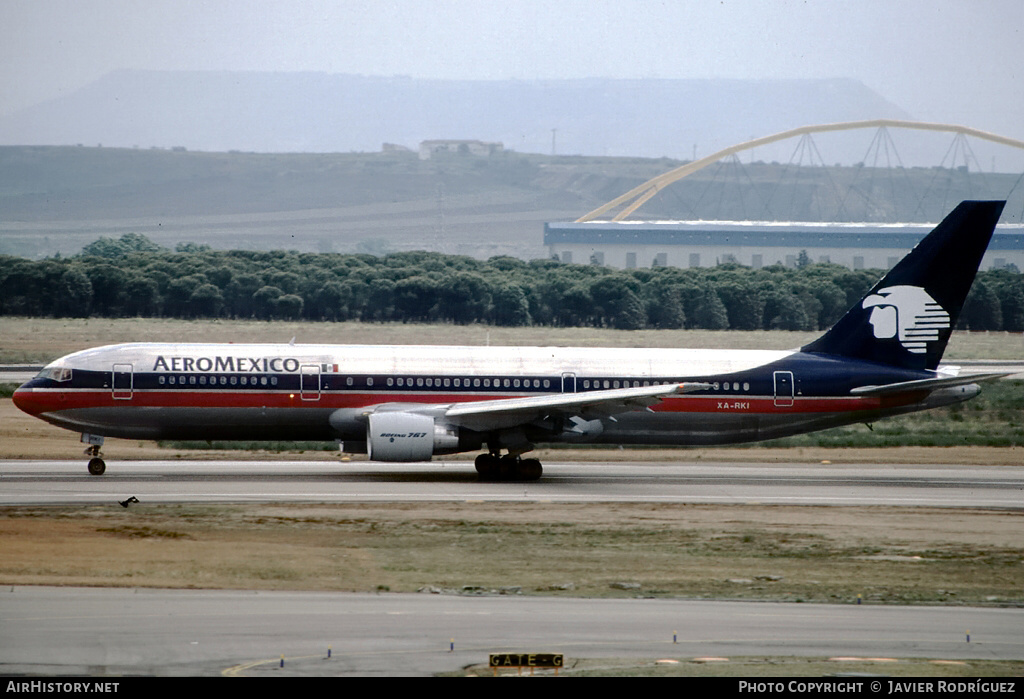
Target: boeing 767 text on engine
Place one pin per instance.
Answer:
(406, 403)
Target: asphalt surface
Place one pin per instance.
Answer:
(49, 631)
(67, 482)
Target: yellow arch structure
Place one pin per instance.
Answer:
(641, 194)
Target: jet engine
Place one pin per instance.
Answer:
(402, 436)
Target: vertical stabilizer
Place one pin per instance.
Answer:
(907, 317)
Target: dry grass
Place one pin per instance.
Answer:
(833, 554)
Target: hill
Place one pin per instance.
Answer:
(59, 199)
(324, 113)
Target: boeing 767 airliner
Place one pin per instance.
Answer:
(409, 403)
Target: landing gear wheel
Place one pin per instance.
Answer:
(487, 466)
(97, 466)
(507, 468)
(530, 470)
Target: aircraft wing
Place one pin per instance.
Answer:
(510, 412)
(926, 384)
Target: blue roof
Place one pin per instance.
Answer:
(760, 234)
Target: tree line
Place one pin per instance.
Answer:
(132, 276)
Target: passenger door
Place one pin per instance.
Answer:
(310, 382)
(784, 391)
(122, 382)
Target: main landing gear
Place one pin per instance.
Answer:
(492, 467)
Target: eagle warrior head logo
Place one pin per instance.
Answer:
(907, 313)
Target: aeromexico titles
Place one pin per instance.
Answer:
(409, 403)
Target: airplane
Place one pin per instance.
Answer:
(410, 403)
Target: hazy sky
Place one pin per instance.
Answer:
(942, 60)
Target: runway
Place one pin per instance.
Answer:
(939, 485)
(61, 631)
(81, 631)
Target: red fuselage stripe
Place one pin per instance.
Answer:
(52, 400)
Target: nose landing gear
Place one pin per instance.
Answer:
(97, 466)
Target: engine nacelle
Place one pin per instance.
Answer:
(399, 436)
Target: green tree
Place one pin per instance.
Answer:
(464, 297)
(332, 301)
(744, 305)
(142, 297)
(264, 302)
(240, 295)
(416, 298)
(288, 306)
(617, 302)
(179, 295)
(982, 309)
(510, 306)
(76, 294)
(125, 245)
(665, 308)
(711, 313)
(206, 302)
(377, 299)
(1011, 299)
(784, 311)
(109, 289)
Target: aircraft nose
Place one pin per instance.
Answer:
(27, 400)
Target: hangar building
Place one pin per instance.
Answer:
(632, 244)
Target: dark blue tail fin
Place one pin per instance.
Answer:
(907, 317)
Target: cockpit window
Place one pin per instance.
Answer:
(55, 373)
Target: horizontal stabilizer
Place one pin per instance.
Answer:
(926, 384)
